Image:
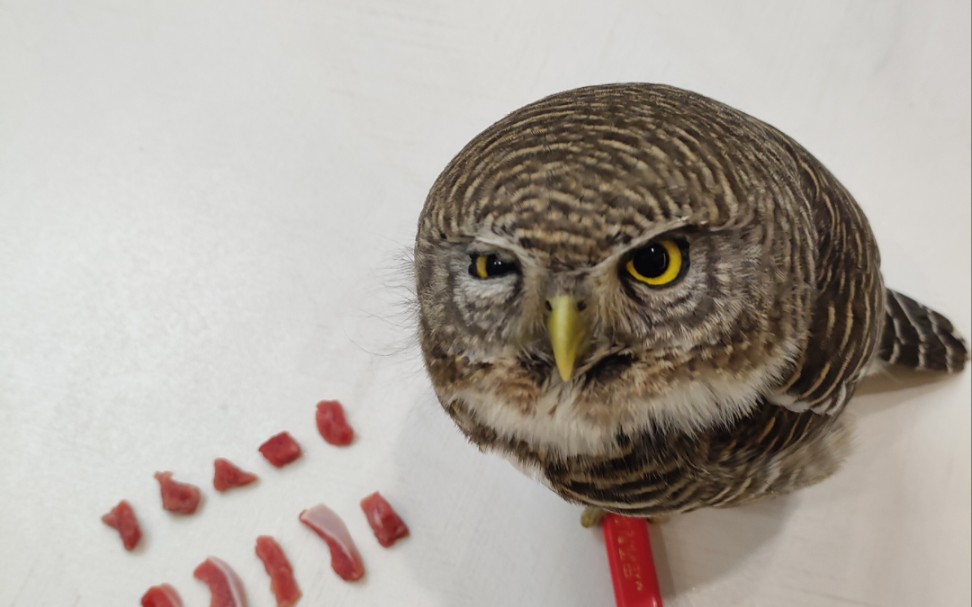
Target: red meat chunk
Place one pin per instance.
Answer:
(180, 498)
(332, 424)
(384, 521)
(225, 587)
(162, 595)
(282, 581)
(122, 518)
(228, 475)
(345, 560)
(280, 450)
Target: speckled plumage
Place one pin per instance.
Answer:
(724, 387)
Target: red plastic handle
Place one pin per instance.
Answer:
(632, 565)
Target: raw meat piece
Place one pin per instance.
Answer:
(225, 587)
(228, 475)
(282, 581)
(384, 521)
(345, 559)
(122, 518)
(180, 498)
(162, 595)
(332, 424)
(280, 450)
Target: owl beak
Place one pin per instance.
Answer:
(568, 333)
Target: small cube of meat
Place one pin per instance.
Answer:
(122, 518)
(332, 424)
(384, 521)
(280, 450)
(228, 476)
(179, 498)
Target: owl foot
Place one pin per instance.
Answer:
(592, 516)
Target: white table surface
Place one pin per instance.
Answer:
(205, 208)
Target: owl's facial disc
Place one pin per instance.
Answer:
(561, 349)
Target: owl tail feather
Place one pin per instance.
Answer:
(918, 337)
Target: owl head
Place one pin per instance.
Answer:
(610, 260)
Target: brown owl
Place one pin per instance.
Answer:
(655, 302)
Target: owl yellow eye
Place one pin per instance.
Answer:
(657, 264)
(489, 266)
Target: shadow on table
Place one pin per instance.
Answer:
(900, 380)
(694, 549)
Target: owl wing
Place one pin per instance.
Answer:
(848, 299)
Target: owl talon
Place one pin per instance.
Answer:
(592, 517)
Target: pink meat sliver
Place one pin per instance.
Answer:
(282, 582)
(162, 595)
(345, 559)
(225, 586)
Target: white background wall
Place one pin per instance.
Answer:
(204, 211)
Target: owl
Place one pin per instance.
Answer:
(656, 303)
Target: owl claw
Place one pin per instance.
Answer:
(592, 517)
